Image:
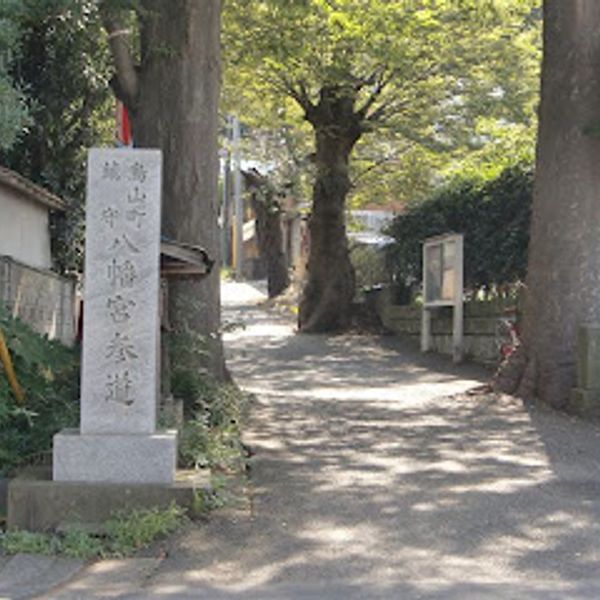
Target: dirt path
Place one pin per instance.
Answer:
(373, 479)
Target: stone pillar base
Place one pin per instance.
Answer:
(105, 458)
(584, 403)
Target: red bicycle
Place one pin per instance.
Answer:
(507, 334)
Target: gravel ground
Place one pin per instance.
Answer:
(377, 476)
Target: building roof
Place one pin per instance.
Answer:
(370, 238)
(183, 260)
(33, 191)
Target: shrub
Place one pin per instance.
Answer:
(48, 372)
(213, 411)
(494, 217)
(369, 266)
(123, 534)
(129, 531)
(212, 436)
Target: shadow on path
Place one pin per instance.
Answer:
(376, 476)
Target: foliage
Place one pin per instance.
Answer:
(78, 543)
(186, 350)
(369, 265)
(450, 85)
(494, 217)
(13, 111)
(213, 410)
(123, 534)
(48, 372)
(211, 437)
(218, 495)
(127, 532)
(27, 542)
(59, 63)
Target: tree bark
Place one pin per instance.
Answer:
(173, 101)
(330, 287)
(267, 212)
(563, 277)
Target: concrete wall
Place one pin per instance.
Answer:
(24, 229)
(481, 326)
(40, 298)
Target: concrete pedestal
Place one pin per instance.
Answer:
(115, 458)
(37, 503)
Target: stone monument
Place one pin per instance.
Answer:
(117, 441)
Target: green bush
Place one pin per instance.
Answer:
(213, 411)
(123, 534)
(211, 437)
(129, 531)
(369, 266)
(494, 217)
(48, 372)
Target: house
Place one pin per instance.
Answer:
(25, 225)
(29, 289)
(268, 236)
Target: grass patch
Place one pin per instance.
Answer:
(129, 532)
(213, 411)
(211, 435)
(123, 534)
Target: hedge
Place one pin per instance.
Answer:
(494, 217)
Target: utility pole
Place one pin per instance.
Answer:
(226, 257)
(238, 201)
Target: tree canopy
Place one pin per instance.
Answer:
(13, 110)
(435, 80)
(448, 86)
(58, 70)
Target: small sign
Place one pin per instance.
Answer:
(443, 286)
(441, 257)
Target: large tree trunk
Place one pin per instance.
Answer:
(269, 236)
(563, 278)
(270, 243)
(173, 106)
(329, 291)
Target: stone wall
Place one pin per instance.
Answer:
(40, 298)
(481, 326)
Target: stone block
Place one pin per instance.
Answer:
(584, 403)
(481, 326)
(36, 503)
(120, 360)
(117, 458)
(588, 357)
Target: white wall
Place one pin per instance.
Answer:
(24, 229)
(372, 220)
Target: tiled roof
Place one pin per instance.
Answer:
(33, 191)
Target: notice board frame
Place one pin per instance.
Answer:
(443, 285)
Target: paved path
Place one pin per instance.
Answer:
(373, 479)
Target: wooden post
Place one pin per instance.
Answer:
(457, 317)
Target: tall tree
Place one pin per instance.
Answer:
(12, 102)
(353, 67)
(562, 285)
(268, 211)
(60, 62)
(171, 88)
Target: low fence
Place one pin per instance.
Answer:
(42, 299)
(482, 330)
